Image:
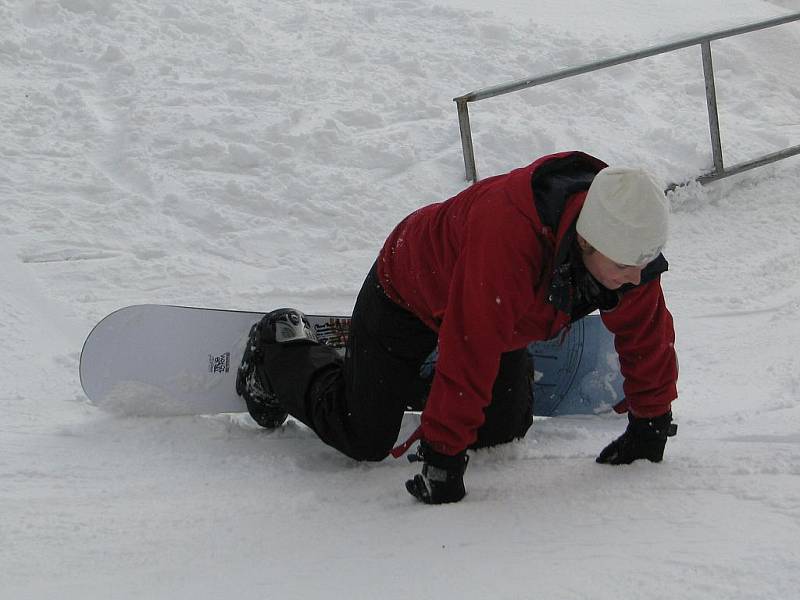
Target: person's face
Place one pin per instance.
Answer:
(610, 274)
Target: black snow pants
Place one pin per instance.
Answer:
(357, 405)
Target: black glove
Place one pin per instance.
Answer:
(644, 438)
(442, 478)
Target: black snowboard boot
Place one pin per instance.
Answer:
(283, 326)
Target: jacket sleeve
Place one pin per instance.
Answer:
(491, 286)
(644, 338)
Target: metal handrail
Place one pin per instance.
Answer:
(704, 41)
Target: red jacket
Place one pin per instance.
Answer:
(478, 269)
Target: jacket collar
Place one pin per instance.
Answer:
(559, 189)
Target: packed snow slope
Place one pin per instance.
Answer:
(250, 154)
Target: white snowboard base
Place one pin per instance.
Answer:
(171, 360)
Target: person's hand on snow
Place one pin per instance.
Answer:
(645, 437)
(442, 477)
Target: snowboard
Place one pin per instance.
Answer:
(163, 360)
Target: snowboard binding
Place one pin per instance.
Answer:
(282, 326)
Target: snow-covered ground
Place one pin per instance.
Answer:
(249, 154)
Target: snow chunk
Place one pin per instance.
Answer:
(112, 54)
(244, 157)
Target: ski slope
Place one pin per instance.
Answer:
(253, 154)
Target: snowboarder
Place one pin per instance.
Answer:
(511, 259)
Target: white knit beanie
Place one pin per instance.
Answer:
(625, 216)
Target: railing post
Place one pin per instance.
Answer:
(466, 140)
(711, 104)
